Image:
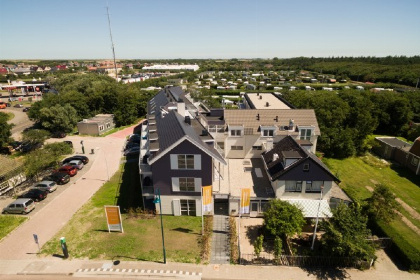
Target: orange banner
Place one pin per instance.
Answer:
(207, 199)
(113, 218)
(245, 201)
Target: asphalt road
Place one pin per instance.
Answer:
(54, 213)
(20, 121)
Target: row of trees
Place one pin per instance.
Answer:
(83, 96)
(347, 118)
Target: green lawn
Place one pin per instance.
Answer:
(9, 223)
(358, 172)
(87, 234)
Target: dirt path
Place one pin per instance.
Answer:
(408, 208)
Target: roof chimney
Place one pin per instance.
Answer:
(258, 117)
(269, 144)
(260, 96)
(267, 104)
(277, 119)
(187, 120)
(181, 107)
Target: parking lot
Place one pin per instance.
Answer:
(6, 200)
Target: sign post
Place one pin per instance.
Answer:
(37, 241)
(113, 218)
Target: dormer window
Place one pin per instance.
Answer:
(306, 167)
(268, 131)
(305, 133)
(236, 131)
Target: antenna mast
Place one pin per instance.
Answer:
(112, 43)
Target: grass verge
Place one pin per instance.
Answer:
(88, 237)
(359, 172)
(9, 223)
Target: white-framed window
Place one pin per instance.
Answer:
(236, 132)
(188, 207)
(101, 127)
(313, 187)
(293, 186)
(415, 161)
(186, 184)
(305, 133)
(236, 148)
(185, 161)
(108, 125)
(268, 131)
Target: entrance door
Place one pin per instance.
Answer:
(254, 209)
(221, 207)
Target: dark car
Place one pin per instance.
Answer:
(68, 169)
(28, 147)
(18, 106)
(130, 145)
(84, 159)
(59, 177)
(26, 109)
(133, 151)
(35, 194)
(58, 134)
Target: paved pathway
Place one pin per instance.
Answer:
(220, 240)
(52, 217)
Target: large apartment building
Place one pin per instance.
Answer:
(266, 146)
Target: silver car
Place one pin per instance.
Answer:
(46, 185)
(76, 163)
(20, 206)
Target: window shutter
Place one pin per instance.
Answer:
(197, 184)
(174, 161)
(176, 207)
(175, 184)
(197, 162)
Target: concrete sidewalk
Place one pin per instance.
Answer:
(129, 269)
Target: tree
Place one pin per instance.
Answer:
(283, 218)
(37, 161)
(59, 118)
(126, 112)
(5, 129)
(278, 245)
(35, 136)
(346, 233)
(382, 206)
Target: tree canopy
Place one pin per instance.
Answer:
(381, 206)
(346, 233)
(282, 218)
(5, 129)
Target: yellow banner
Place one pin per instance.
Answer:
(245, 200)
(207, 198)
(113, 218)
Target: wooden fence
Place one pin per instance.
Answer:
(303, 261)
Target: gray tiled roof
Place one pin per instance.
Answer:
(393, 141)
(267, 117)
(171, 126)
(285, 147)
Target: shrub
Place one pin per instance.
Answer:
(205, 240)
(233, 240)
(258, 244)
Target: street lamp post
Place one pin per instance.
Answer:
(157, 200)
(317, 218)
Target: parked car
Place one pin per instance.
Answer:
(76, 163)
(3, 105)
(18, 106)
(68, 169)
(130, 145)
(58, 134)
(46, 185)
(84, 159)
(20, 206)
(27, 147)
(58, 177)
(35, 194)
(26, 109)
(9, 104)
(132, 151)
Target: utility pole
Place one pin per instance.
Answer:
(112, 43)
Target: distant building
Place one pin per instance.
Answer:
(97, 125)
(172, 67)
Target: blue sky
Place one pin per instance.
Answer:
(145, 29)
